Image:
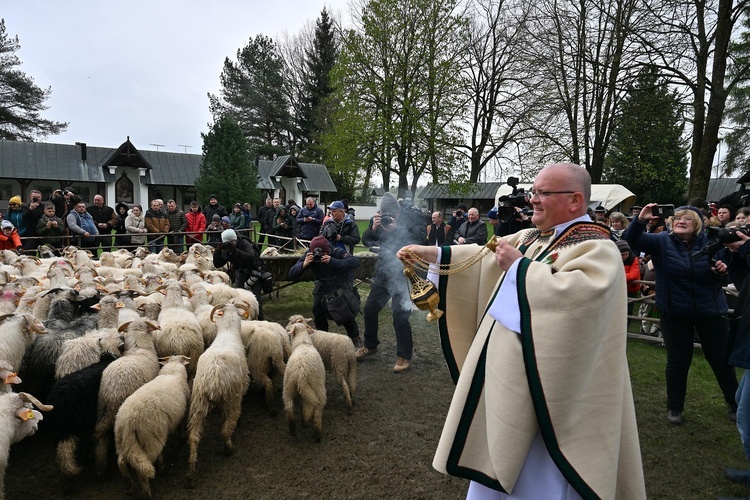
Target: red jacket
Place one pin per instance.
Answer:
(11, 242)
(633, 273)
(196, 224)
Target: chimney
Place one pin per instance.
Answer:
(82, 145)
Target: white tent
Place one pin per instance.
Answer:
(610, 196)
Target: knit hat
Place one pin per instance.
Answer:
(6, 224)
(215, 218)
(15, 199)
(321, 242)
(623, 246)
(226, 219)
(389, 205)
(228, 235)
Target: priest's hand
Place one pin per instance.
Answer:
(506, 254)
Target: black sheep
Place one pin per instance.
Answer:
(75, 399)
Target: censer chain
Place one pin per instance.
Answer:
(448, 269)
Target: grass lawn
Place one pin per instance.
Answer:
(683, 461)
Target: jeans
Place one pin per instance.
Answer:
(743, 412)
(156, 244)
(241, 277)
(678, 340)
(321, 320)
(176, 243)
(380, 293)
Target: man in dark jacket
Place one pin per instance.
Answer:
(270, 221)
(339, 230)
(309, 220)
(471, 231)
(245, 263)
(333, 269)
(262, 213)
(177, 224)
(735, 260)
(213, 207)
(391, 229)
(32, 216)
(105, 220)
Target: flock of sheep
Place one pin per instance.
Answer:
(141, 346)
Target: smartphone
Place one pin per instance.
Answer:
(663, 211)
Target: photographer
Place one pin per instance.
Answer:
(455, 222)
(245, 261)
(339, 230)
(736, 258)
(334, 273)
(391, 229)
(690, 298)
(521, 219)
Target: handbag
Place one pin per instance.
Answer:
(342, 304)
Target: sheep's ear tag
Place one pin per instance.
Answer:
(25, 414)
(119, 305)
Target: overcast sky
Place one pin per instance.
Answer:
(142, 68)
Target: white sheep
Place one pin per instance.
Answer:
(17, 420)
(304, 382)
(339, 357)
(138, 365)
(221, 380)
(139, 437)
(19, 332)
(179, 330)
(268, 347)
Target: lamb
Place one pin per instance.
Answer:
(138, 365)
(17, 420)
(180, 332)
(338, 355)
(19, 333)
(221, 380)
(139, 437)
(75, 398)
(304, 382)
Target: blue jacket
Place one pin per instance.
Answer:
(684, 286)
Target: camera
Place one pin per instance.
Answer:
(663, 211)
(36, 199)
(726, 235)
(317, 255)
(459, 213)
(517, 198)
(386, 220)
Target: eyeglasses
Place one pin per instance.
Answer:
(540, 195)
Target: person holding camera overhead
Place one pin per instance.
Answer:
(340, 231)
(333, 268)
(31, 217)
(690, 299)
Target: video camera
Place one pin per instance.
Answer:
(718, 236)
(507, 204)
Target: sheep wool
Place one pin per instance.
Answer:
(304, 381)
(139, 437)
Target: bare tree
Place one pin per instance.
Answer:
(690, 43)
(584, 59)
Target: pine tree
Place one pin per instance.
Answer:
(648, 154)
(228, 169)
(317, 87)
(252, 92)
(21, 100)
